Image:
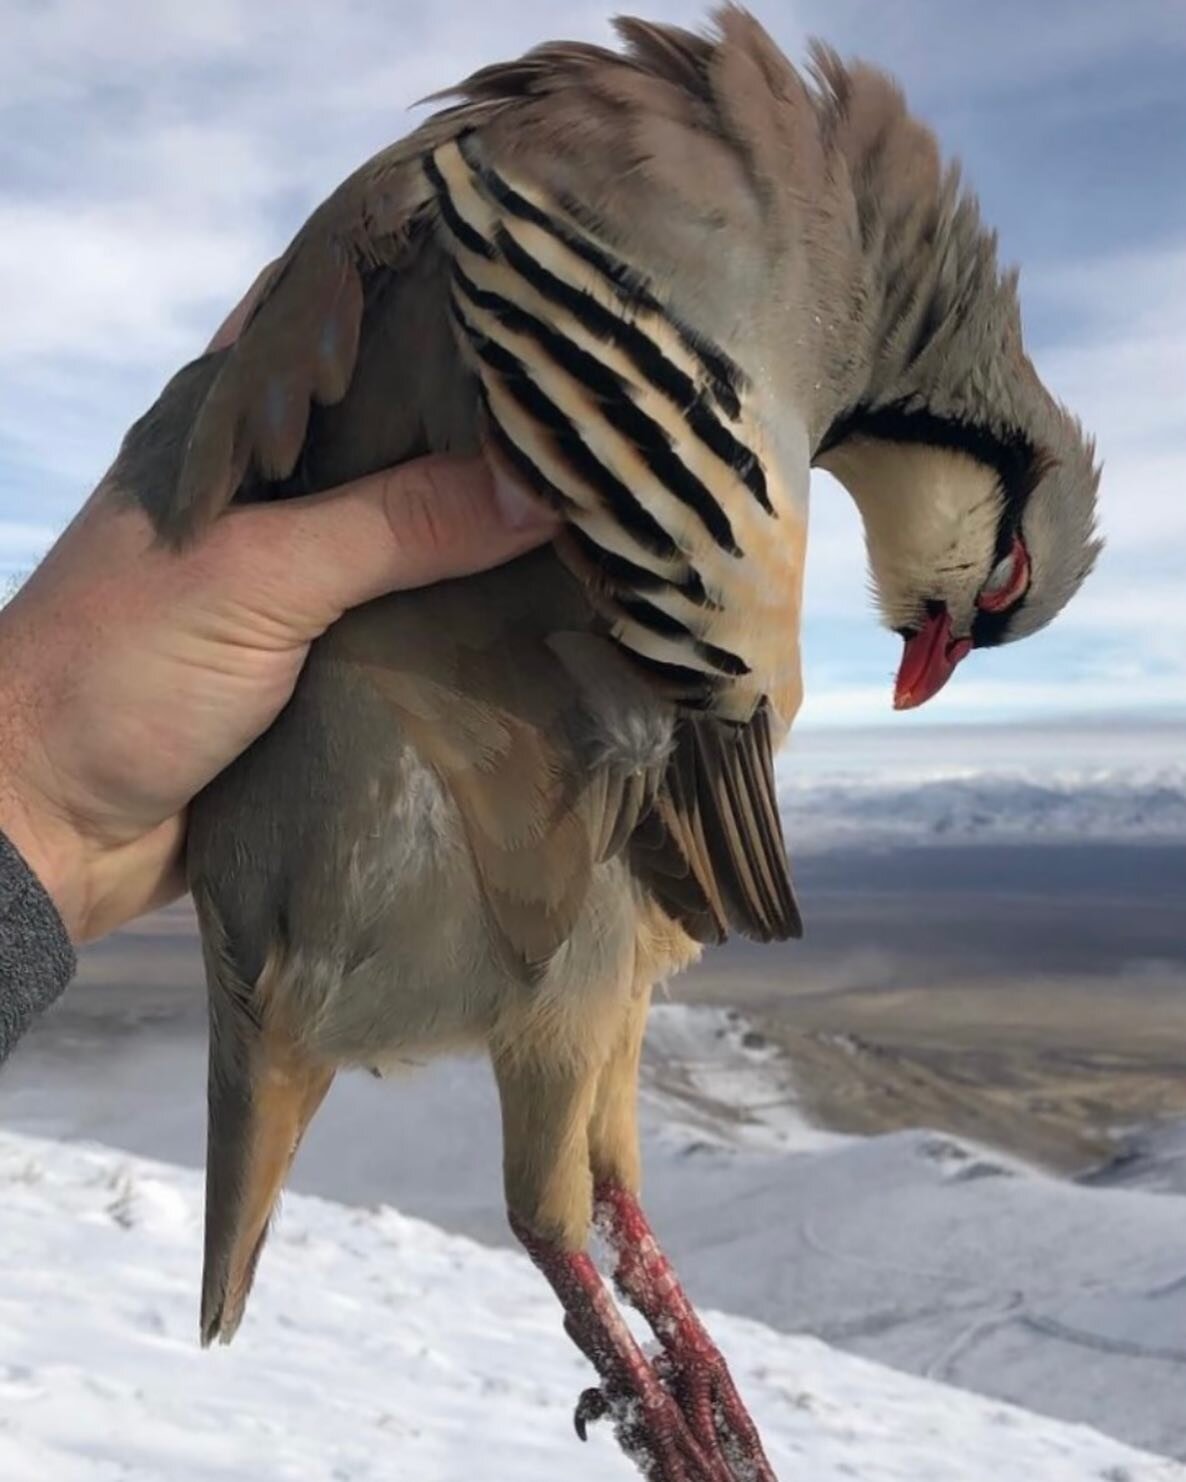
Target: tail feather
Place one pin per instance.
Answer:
(262, 1093)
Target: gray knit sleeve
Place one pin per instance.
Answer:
(36, 958)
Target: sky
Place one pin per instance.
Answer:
(153, 154)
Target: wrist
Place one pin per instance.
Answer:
(54, 853)
(95, 884)
(77, 801)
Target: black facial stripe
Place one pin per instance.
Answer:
(618, 499)
(648, 359)
(1013, 457)
(1009, 525)
(988, 628)
(623, 414)
(470, 239)
(726, 377)
(992, 628)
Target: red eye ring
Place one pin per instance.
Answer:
(1013, 586)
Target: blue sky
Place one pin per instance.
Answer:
(153, 154)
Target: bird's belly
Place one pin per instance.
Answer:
(416, 968)
(333, 862)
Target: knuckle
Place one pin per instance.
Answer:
(423, 514)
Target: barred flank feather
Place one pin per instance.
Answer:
(622, 417)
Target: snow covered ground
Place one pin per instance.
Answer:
(378, 1347)
(984, 807)
(1155, 1159)
(709, 1082)
(913, 1249)
(978, 785)
(985, 783)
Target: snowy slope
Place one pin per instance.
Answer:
(379, 1348)
(1154, 1159)
(709, 1081)
(913, 1249)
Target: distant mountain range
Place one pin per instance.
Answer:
(981, 807)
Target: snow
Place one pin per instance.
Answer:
(1154, 1159)
(985, 784)
(981, 807)
(709, 1080)
(951, 1262)
(914, 1249)
(377, 1347)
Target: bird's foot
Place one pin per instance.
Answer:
(694, 1371)
(646, 1415)
(691, 1367)
(652, 1430)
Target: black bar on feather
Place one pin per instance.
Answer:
(726, 377)
(648, 359)
(618, 407)
(472, 240)
(619, 500)
(626, 574)
(692, 688)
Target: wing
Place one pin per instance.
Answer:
(712, 848)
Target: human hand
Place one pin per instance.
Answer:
(130, 675)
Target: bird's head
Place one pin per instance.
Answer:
(976, 487)
(975, 538)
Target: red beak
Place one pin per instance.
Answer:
(928, 661)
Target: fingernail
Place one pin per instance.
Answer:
(519, 509)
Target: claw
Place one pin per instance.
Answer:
(591, 1406)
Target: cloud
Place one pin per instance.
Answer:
(154, 155)
(1123, 374)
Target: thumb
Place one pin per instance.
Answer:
(436, 517)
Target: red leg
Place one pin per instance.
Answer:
(695, 1369)
(647, 1420)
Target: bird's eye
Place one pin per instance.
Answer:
(1007, 581)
